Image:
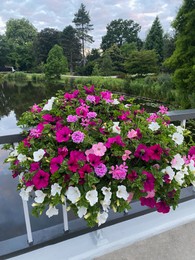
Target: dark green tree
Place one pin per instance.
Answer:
(154, 39)
(20, 34)
(182, 61)
(106, 68)
(44, 42)
(117, 59)
(168, 45)
(56, 63)
(119, 32)
(71, 46)
(141, 62)
(83, 26)
(4, 51)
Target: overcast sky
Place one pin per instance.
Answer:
(60, 13)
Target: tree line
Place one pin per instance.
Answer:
(121, 50)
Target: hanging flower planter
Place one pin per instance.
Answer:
(100, 152)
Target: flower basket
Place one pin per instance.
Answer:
(100, 152)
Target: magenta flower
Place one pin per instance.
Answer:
(34, 166)
(94, 160)
(63, 151)
(107, 96)
(79, 156)
(89, 90)
(86, 169)
(132, 134)
(73, 164)
(126, 156)
(114, 140)
(142, 152)
(162, 207)
(152, 117)
(149, 182)
(78, 137)
(41, 179)
(48, 118)
(100, 170)
(35, 108)
(63, 135)
(55, 163)
(71, 119)
(37, 132)
(155, 152)
(124, 116)
(82, 111)
(132, 176)
(99, 149)
(149, 202)
(191, 151)
(120, 172)
(121, 98)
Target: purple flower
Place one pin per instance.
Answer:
(100, 170)
(71, 119)
(78, 137)
(162, 207)
(91, 114)
(56, 163)
(142, 152)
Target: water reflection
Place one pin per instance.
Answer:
(16, 98)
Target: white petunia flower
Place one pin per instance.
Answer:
(177, 162)
(55, 188)
(82, 211)
(177, 138)
(49, 104)
(38, 155)
(101, 218)
(21, 157)
(107, 193)
(154, 126)
(168, 170)
(116, 128)
(51, 211)
(24, 193)
(179, 129)
(115, 101)
(105, 205)
(73, 194)
(191, 166)
(179, 177)
(40, 196)
(92, 197)
(14, 152)
(122, 192)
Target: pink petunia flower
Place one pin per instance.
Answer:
(149, 202)
(63, 151)
(119, 172)
(86, 169)
(91, 115)
(100, 170)
(78, 137)
(99, 149)
(94, 159)
(142, 152)
(90, 98)
(55, 163)
(48, 118)
(155, 152)
(89, 90)
(126, 156)
(82, 111)
(132, 134)
(71, 119)
(35, 108)
(114, 140)
(162, 207)
(163, 109)
(132, 176)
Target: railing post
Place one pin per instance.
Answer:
(183, 123)
(65, 215)
(27, 221)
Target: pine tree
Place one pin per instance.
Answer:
(83, 26)
(182, 62)
(154, 39)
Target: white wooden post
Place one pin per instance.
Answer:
(27, 221)
(183, 123)
(65, 215)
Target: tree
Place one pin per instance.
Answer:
(44, 42)
(106, 65)
(182, 61)
(4, 51)
(20, 34)
(117, 58)
(83, 26)
(119, 32)
(168, 45)
(154, 39)
(141, 62)
(56, 63)
(71, 46)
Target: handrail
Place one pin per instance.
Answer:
(175, 115)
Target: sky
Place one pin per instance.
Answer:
(59, 13)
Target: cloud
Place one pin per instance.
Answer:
(58, 14)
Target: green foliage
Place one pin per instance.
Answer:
(119, 32)
(71, 46)
(183, 59)
(56, 63)
(106, 65)
(141, 62)
(154, 39)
